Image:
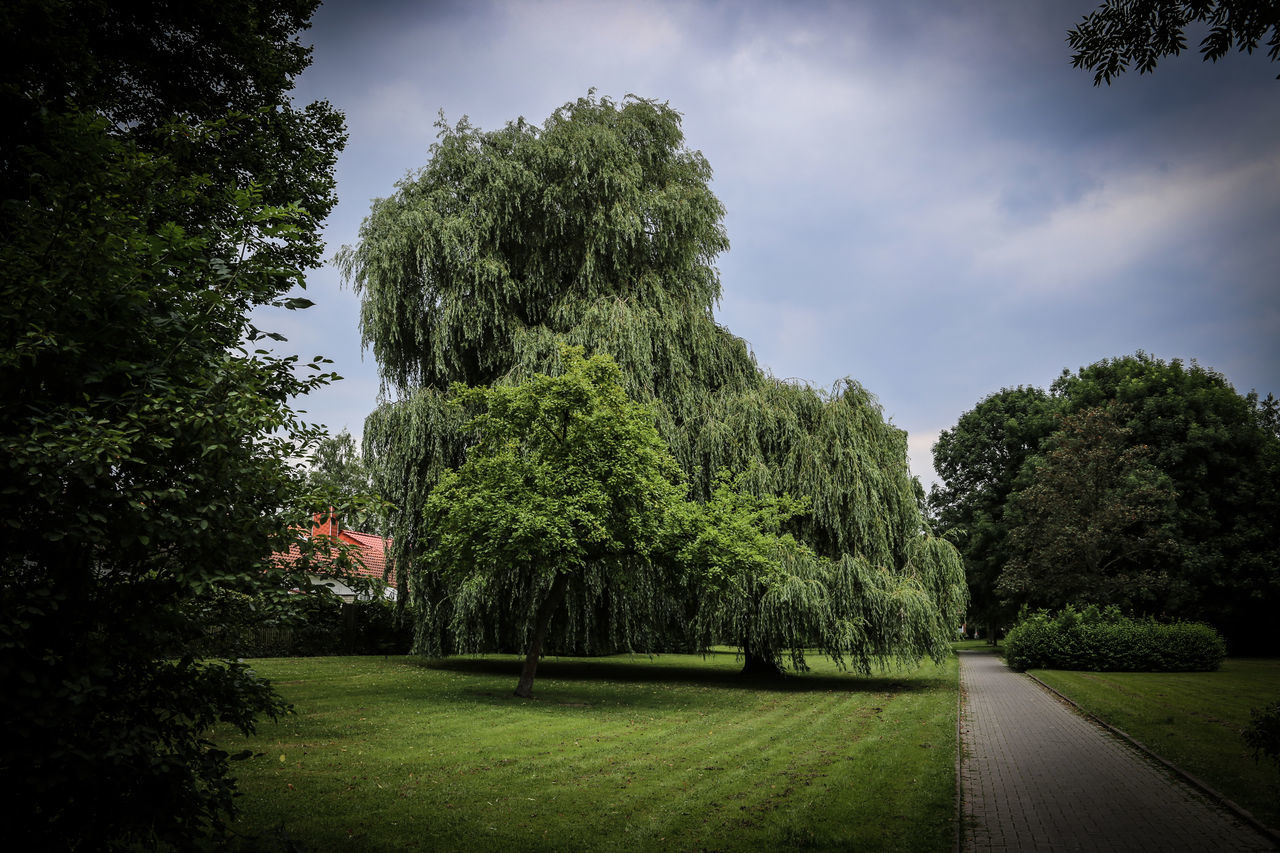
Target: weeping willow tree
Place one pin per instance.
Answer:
(773, 596)
(598, 229)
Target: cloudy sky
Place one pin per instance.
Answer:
(925, 196)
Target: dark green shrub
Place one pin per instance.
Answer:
(381, 630)
(324, 625)
(1262, 735)
(242, 626)
(1104, 640)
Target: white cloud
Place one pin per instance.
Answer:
(622, 33)
(396, 108)
(1129, 221)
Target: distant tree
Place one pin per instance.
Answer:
(157, 186)
(555, 514)
(1224, 466)
(338, 474)
(1121, 33)
(1084, 528)
(1218, 450)
(979, 462)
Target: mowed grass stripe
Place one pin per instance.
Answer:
(675, 752)
(731, 769)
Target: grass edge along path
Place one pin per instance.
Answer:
(1191, 720)
(618, 753)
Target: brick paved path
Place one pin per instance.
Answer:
(1036, 775)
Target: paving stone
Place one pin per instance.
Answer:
(1037, 775)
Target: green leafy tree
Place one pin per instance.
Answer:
(979, 462)
(1221, 460)
(157, 187)
(1217, 450)
(338, 474)
(598, 228)
(1139, 33)
(562, 500)
(1094, 514)
(758, 588)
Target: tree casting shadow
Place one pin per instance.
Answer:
(607, 669)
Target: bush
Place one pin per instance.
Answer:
(1105, 641)
(1262, 735)
(242, 626)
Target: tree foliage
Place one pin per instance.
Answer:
(979, 462)
(1094, 513)
(1214, 450)
(157, 186)
(757, 587)
(760, 589)
(598, 229)
(556, 511)
(1221, 460)
(340, 478)
(1139, 33)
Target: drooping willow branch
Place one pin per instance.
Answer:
(599, 229)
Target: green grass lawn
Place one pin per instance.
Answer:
(1192, 719)
(976, 646)
(630, 753)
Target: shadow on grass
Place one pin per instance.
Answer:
(633, 672)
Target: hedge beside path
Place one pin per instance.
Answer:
(1105, 641)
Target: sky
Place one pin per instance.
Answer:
(923, 196)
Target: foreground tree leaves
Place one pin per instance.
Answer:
(151, 199)
(1139, 33)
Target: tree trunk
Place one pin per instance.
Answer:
(524, 689)
(402, 591)
(348, 612)
(757, 665)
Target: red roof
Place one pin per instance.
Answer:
(373, 554)
(370, 555)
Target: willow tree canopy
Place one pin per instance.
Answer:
(599, 229)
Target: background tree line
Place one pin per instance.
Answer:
(1146, 484)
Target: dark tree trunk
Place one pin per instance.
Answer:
(757, 665)
(348, 612)
(546, 610)
(402, 591)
